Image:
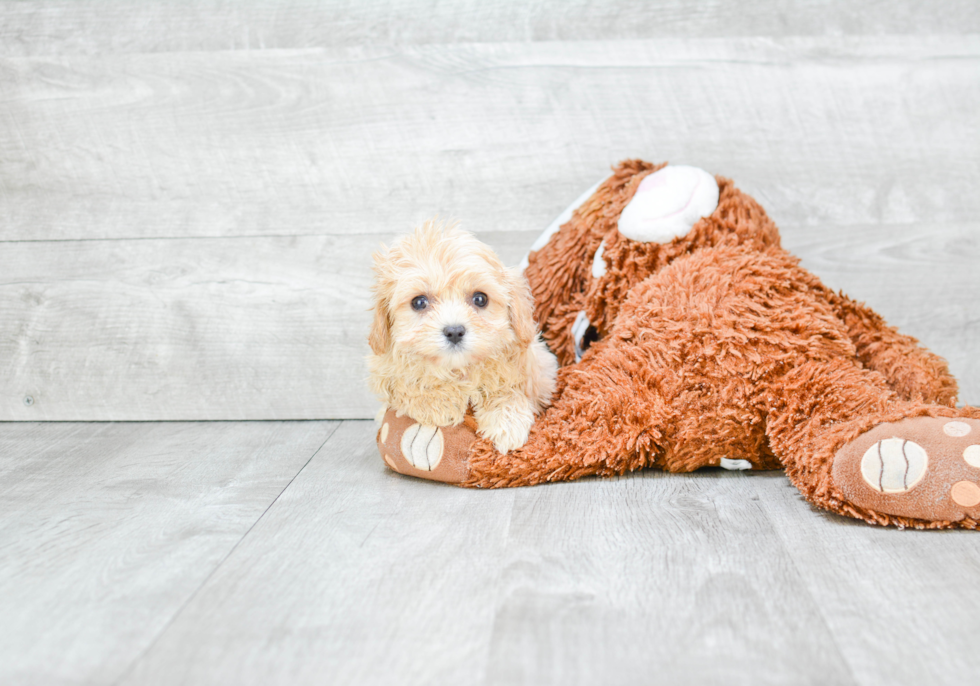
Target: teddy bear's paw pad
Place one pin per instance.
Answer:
(668, 203)
(894, 465)
(438, 453)
(924, 467)
(422, 446)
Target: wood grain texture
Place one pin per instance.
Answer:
(901, 605)
(150, 554)
(369, 140)
(358, 575)
(655, 579)
(98, 26)
(107, 530)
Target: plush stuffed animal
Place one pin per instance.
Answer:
(689, 338)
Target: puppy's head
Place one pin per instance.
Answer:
(443, 297)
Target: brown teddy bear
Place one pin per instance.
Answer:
(689, 338)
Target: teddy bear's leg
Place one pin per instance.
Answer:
(851, 445)
(745, 329)
(911, 370)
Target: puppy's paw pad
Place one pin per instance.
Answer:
(423, 446)
(922, 468)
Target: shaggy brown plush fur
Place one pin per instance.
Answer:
(718, 344)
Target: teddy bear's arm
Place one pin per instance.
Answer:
(606, 419)
(912, 371)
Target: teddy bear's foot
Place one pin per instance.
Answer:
(924, 468)
(428, 452)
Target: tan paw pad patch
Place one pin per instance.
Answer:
(965, 493)
(894, 465)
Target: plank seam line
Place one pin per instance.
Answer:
(107, 239)
(956, 223)
(312, 234)
(777, 534)
(190, 598)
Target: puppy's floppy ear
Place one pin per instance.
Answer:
(521, 308)
(380, 337)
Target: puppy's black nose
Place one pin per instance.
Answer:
(454, 333)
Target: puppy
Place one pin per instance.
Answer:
(452, 328)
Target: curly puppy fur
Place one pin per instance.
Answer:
(495, 361)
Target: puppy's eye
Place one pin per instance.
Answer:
(480, 299)
(419, 303)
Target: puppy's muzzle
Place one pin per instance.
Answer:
(454, 334)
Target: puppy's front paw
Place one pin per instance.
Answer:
(504, 444)
(507, 426)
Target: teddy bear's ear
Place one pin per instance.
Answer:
(521, 308)
(668, 203)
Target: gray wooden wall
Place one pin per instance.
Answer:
(190, 191)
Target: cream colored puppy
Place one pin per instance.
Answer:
(453, 327)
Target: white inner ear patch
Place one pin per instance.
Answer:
(422, 446)
(668, 203)
(599, 264)
(894, 465)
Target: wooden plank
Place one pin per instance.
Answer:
(902, 605)
(276, 328)
(106, 531)
(357, 575)
(659, 579)
(72, 27)
(367, 140)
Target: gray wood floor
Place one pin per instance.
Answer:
(285, 552)
(189, 196)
